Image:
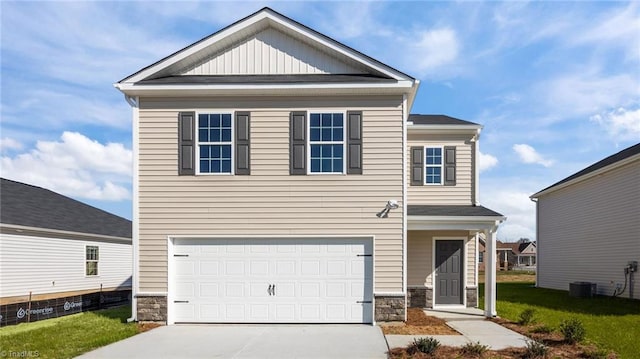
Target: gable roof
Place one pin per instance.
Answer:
(264, 47)
(30, 206)
(595, 168)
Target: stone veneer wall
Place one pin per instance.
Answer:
(152, 309)
(472, 297)
(417, 297)
(389, 308)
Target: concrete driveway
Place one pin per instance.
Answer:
(250, 341)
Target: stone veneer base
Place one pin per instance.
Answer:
(152, 309)
(389, 308)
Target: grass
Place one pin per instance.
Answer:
(610, 323)
(69, 336)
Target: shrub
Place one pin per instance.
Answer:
(474, 349)
(426, 345)
(572, 330)
(527, 316)
(542, 329)
(535, 349)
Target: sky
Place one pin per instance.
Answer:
(555, 84)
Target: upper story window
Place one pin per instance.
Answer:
(215, 142)
(91, 260)
(433, 165)
(326, 142)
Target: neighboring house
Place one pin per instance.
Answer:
(516, 255)
(53, 247)
(279, 177)
(589, 227)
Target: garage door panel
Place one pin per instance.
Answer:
(316, 280)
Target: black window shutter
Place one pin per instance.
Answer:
(243, 144)
(354, 142)
(298, 143)
(186, 143)
(449, 165)
(417, 166)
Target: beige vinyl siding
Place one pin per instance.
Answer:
(270, 201)
(270, 52)
(420, 256)
(588, 231)
(461, 193)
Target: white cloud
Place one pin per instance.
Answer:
(430, 50)
(529, 154)
(486, 161)
(621, 124)
(7, 143)
(75, 166)
(515, 204)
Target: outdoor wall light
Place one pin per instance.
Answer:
(392, 204)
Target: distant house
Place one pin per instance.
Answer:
(589, 227)
(510, 256)
(57, 251)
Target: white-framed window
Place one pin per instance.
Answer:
(326, 142)
(480, 257)
(215, 143)
(92, 255)
(433, 165)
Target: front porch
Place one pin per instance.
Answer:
(442, 256)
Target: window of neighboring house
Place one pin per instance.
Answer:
(480, 257)
(326, 142)
(91, 260)
(215, 143)
(433, 165)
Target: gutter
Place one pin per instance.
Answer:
(135, 223)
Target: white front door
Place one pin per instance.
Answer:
(272, 280)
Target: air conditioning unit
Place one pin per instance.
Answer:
(582, 289)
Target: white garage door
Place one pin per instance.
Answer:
(272, 280)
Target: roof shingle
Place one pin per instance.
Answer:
(26, 205)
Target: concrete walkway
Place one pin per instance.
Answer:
(469, 322)
(250, 341)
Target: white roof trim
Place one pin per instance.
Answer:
(414, 127)
(587, 176)
(453, 222)
(266, 15)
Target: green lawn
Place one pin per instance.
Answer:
(610, 323)
(67, 337)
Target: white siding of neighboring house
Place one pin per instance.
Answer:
(588, 231)
(462, 192)
(50, 265)
(270, 202)
(420, 258)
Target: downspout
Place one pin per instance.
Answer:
(476, 194)
(134, 103)
(535, 200)
(405, 118)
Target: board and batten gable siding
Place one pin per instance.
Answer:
(50, 265)
(462, 192)
(271, 52)
(420, 256)
(270, 202)
(588, 231)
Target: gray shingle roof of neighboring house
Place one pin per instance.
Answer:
(438, 120)
(626, 153)
(463, 211)
(30, 206)
(266, 79)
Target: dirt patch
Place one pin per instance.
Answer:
(557, 348)
(146, 326)
(419, 323)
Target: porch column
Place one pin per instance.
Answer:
(490, 274)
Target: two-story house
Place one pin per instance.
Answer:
(278, 177)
